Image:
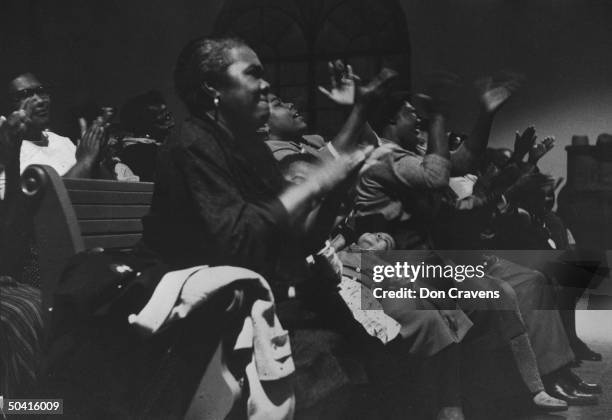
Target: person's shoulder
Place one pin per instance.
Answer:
(56, 138)
(281, 149)
(314, 140)
(395, 149)
(56, 141)
(192, 133)
(194, 139)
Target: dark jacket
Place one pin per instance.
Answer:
(215, 203)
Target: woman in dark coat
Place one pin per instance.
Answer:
(221, 199)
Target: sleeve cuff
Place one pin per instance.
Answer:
(333, 150)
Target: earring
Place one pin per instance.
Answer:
(216, 101)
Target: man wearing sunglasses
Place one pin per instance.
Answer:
(29, 114)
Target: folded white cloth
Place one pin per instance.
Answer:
(161, 305)
(180, 292)
(368, 311)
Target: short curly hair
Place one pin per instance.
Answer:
(388, 109)
(202, 60)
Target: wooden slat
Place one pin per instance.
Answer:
(89, 227)
(111, 241)
(107, 185)
(87, 211)
(109, 197)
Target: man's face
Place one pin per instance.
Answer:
(162, 119)
(376, 242)
(405, 125)
(498, 161)
(244, 95)
(284, 121)
(27, 93)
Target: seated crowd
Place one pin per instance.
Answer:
(258, 225)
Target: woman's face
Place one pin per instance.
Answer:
(243, 95)
(285, 121)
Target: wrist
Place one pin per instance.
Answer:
(360, 108)
(486, 110)
(86, 161)
(437, 116)
(315, 188)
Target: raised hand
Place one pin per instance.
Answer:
(343, 82)
(540, 149)
(92, 139)
(523, 143)
(12, 129)
(495, 92)
(16, 122)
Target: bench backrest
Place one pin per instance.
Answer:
(71, 215)
(109, 212)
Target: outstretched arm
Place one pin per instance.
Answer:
(298, 199)
(345, 91)
(493, 95)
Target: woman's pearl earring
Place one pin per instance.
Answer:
(216, 101)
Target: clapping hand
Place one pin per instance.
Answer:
(343, 82)
(92, 137)
(18, 121)
(540, 149)
(347, 89)
(13, 127)
(494, 93)
(523, 143)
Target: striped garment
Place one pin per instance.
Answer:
(21, 332)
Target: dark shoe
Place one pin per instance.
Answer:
(579, 384)
(583, 352)
(544, 402)
(565, 392)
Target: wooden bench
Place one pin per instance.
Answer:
(71, 215)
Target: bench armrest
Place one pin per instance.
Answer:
(56, 229)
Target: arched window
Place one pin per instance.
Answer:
(296, 38)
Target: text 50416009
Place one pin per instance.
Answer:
(31, 406)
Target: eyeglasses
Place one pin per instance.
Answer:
(30, 92)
